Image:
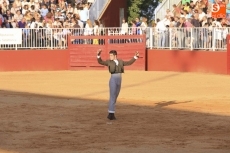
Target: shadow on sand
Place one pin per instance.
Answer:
(33, 123)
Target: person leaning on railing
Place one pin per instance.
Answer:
(181, 32)
(196, 24)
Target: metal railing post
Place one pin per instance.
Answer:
(151, 38)
(170, 38)
(51, 39)
(213, 39)
(191, 40)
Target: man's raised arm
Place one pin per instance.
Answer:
(99, 60)
(130, 62)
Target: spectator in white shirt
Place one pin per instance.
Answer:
(25, 9)
(84, 14)
(201, 14)
(124, 27)
(161, 29)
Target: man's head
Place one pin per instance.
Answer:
(113, 55)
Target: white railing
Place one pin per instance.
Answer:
(212, 39)
(160, 10)
(97, 8)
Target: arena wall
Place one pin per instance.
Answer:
(34, 60)
(187, 61)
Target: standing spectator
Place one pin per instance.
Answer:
(169, 13)
(161, 29)
(144, 25)
(88, 30)
(196, 23)
(181, 33)
(124, 27)
(84, 14)
(177, 10)
(205, 36)
(96, 32)
(134, 28)
(138, 24)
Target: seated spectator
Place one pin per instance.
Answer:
(8, 16)
(25, 9)
(24, 3)
(69, 9)
(22, 23)
(18, 4)
(18, 16)
(5, 7)
(14, 9)
(28, 16)
(32, 9)
(44, 11)
(32, 2)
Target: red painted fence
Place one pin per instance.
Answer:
(187, 61)
(83, 56)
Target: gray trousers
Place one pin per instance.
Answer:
(114, 89)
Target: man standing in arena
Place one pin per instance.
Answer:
(116, 68)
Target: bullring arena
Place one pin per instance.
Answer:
(65, 111)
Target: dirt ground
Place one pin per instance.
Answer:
(157, 112)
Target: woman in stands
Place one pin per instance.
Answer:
(28, 17)
(5, 7)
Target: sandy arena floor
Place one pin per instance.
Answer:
(157, 112)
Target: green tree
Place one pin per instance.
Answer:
(140, 8)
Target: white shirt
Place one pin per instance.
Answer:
(161, 26)
(201, 15)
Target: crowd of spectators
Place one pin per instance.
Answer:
(192, 22)
(44, 13)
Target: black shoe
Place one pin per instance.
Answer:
(111, 116)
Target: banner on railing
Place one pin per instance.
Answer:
(10, 36)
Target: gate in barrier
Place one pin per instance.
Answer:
(83, 50)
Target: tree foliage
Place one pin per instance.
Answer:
(141, 8)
